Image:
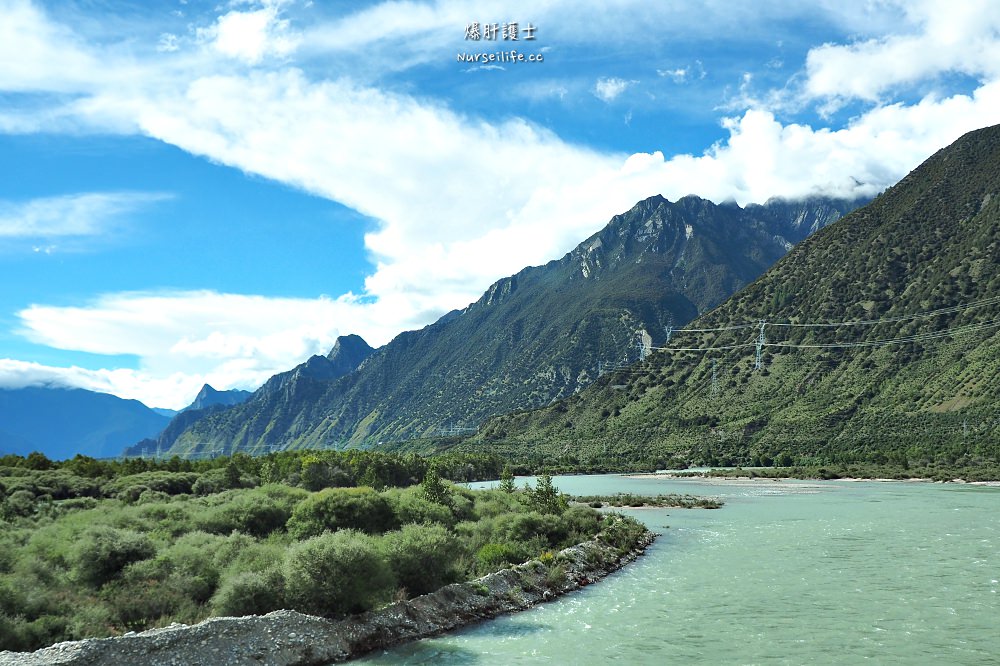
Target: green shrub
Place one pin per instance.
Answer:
(215, 481)
(150, 496)
(342, 508)
(434, 489)
(495, 556)
(555, 576)
(336, 574)
(423, 557)
(579, 523)
(137, 604)
(248, 512)
(167, 519)
(20, 504)
(250, 593)
(187, 566)
(22, 635)
(542, 531)
(544, 497)
(89, 620)
(410, 506)
(622, 532)
(132, 486)
(496, 503)
(104, 551)
(239, 553)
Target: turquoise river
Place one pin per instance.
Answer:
(838, 572)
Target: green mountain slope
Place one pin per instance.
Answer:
(541, 334)
(882, 343)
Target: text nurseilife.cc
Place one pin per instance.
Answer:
(492, 32)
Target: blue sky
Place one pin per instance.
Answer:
(211, 192)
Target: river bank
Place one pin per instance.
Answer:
(772, 480)
(291, 638)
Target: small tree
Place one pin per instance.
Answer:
(434, 488)
(507, 480)
(546, 498)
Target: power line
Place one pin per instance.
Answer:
(857, 322)
(919, 337)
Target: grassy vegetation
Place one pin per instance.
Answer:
(91, 549)
(631, 500)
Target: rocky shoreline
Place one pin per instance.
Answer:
(290, 638)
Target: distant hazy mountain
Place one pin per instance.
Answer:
(62, 422)
(881, 343)
(533, 337)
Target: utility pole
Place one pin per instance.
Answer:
(715, 376)
(642, 348)
(760, 345)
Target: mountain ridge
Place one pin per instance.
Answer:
(878, 327)
(542, 333)
(62, 422)
(348, 352)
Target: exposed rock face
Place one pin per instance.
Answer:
(290, 638)
(349, 352)
(209, 397)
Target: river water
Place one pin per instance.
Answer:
(785, 573)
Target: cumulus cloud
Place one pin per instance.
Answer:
(949, 38)
(250, 35)
(608, 89)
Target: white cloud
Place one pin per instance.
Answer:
(125, 383)
(608, 89)
(69, 217)
(438, 182)
(168, 43)
(948, 38)
(37, 54)
(763, 157)
(185, 339)
(251, 35)
(679, 75)
(684, 74)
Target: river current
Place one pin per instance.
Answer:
(785, 573)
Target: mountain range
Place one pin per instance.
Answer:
(534, 337)
(877, 339)
(208, 401)
(62, 422)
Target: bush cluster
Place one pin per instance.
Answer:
(88, 556)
